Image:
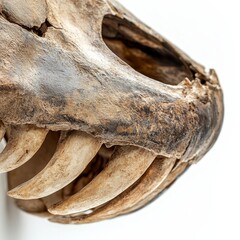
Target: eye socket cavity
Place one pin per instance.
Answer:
(143, 52)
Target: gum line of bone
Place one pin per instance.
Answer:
(74, 152)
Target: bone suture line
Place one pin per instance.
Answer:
(23, 143)
(126, 166)
(72, 156)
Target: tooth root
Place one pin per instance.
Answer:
(93, 218)
(2, 131)
(126, 166)
(23, 143)
(73, 154)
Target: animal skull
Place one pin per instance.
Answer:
(101, 113)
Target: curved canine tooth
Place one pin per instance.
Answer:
(93, 218)
(151, 180)
(72, 156)
(167, 182)
(24, 142)
(32, 168)
(2, 131)
(126, 166)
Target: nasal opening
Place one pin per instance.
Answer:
(143, 52)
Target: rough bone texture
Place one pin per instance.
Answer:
(89, 68)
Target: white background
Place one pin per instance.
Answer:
(205, 202)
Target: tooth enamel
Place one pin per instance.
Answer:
(96, 216)
(126, 166)
(23, 143)
(71, 157)
(90, 65)
(166, 183)
(53, 198)
(2, 131)
(151, 180)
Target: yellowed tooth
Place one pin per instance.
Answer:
(151, 180)
(73, 154)
(2, 131)
(167, 182)
(126, 166)
(23, 143)
(153, 194)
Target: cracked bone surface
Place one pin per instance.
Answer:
(99, 112)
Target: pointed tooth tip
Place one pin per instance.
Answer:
(14, 194)
(63, 209)
(19, 193)
(95, 194)
(59, 209)
(70, 220)
(58, 220)
(4, 168)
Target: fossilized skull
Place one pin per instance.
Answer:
(100, 112)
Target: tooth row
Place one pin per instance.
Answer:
(149, 182)
(131, 176)
(127, 165)
(108, 211)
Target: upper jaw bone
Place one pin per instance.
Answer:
(23, 143)
(73, 154)
(117, 103)
(126, 166)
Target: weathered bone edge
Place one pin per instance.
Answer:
(54, 84)
(91, 66)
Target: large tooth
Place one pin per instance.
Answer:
(167, 182)
(2, 131)
(127, 165)
(23, 143)
(91, 218)
(73, 154)
(151, 180)
(30, 169)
